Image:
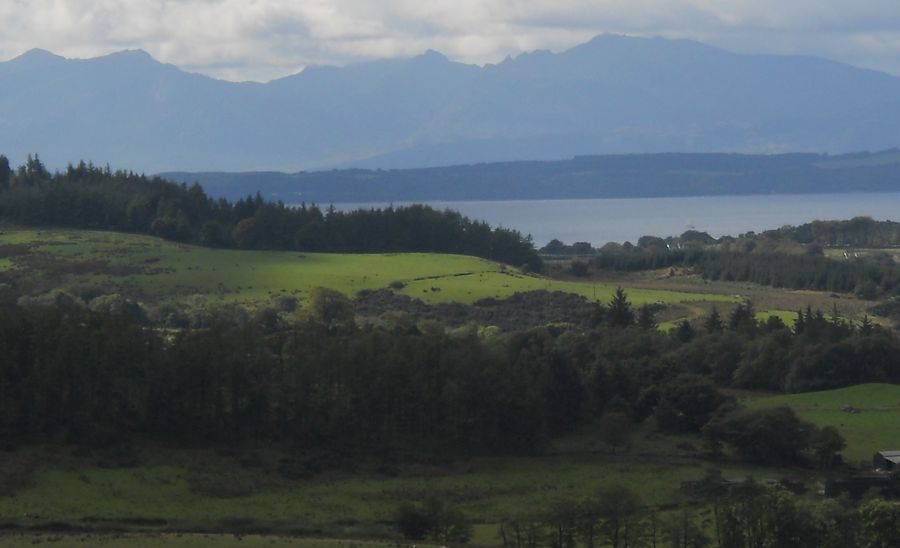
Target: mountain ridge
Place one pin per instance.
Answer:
(611, 95)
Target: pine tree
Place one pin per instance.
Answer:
(713, 322)
(619, 311)
(647, 318)
(5, 172)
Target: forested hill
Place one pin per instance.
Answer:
(84, 196)
(640, 175)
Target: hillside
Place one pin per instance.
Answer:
(613, 176)
(92, 263)
(613, 94)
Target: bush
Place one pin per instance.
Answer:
(772, 436)
(413, 522)
(434, 520)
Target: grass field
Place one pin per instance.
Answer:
(152, 269)
(874, 427)
(355, 504)
(179, 540)
(786, 316)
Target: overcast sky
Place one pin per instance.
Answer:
(265, 39)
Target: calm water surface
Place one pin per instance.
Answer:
(620, 220)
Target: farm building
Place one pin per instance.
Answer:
(886, 460)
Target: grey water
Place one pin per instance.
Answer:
(599, 221)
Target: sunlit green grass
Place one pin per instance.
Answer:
(786, 316)
(503, 284)
(173, 270)
(875, 427)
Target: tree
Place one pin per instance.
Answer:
(753, 515)
(5, 173)
(646, 317)
(879, 524)
(826, 444)
(866, 327)
(329, 308)
(619, 311)
(212, 234)
(772, 436)
(743, 318)
(713, 322)
(579, 268)
(687, 403)
(448, 523)
(522, 531)
(561, 517)
(33, 172)
(432, 519)
(615, 429)
(413, 522)
(681, 530)
(685, 331)
(621, 512)
(588, 522)
(246, 233)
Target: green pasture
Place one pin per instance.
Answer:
(874, 426)
(179, 540)
(153, 269)
(493, 283)
(788, 317)
(487, 490)
(861, 252)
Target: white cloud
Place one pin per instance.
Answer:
(263, 39)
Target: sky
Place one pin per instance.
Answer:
(264, 39)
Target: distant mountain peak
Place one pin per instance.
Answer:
(133, 53)
(627, 41)
(610, 37)
(432, 56)
(37, 55)
(131, 56)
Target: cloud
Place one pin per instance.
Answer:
(264, 39)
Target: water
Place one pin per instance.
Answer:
(620, 220)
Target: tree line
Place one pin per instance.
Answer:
(746, 515)
(789, 257)
(866, 277)
(786, 270)
(90, 197)
(313, 378)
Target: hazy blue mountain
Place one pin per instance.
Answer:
(611, 95)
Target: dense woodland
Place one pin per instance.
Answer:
(85, 196)
(314, 379)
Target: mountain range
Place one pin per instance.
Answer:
(612, 95)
